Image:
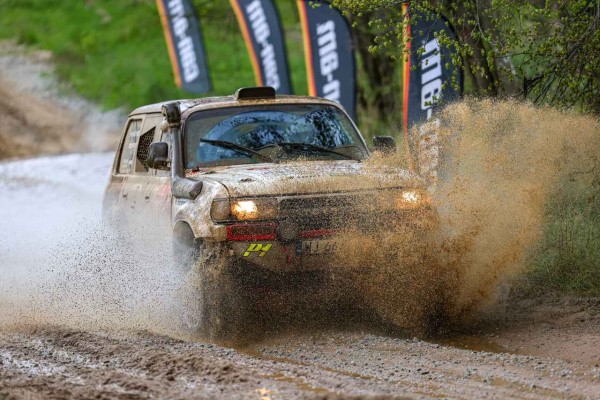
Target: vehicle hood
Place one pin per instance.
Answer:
(307, 178)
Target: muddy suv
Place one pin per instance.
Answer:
(256, 189)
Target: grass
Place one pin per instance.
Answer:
(568, 257)
(114, 52)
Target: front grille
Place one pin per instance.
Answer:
(327, 212)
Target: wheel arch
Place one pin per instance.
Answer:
(184, 233)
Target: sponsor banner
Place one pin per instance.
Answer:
(261, 27)
(329, 53)
(184, 41)
(423, 89)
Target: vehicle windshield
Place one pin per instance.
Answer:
(253, 134)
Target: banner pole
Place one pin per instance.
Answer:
(310, 73)
(246, 34)
(406, 83)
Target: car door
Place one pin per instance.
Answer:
(132, 182)
(157, 189)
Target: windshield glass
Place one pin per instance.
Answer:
(235, 135)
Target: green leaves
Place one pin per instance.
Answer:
(544, 51)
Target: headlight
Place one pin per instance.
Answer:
(411, 198)
(244, 210)
(397, 200)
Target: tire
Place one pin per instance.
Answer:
(215, 306)
(224, 307)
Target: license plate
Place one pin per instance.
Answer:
(316, 247)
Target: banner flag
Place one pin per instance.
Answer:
(261, 27)
(186, 48)
(423, 89)
(329, 52)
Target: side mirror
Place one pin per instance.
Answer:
(158, 156)
(384, 144)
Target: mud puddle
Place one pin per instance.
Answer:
(473, 343)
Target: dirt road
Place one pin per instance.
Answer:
(75, 322)
(64, 363)
(38, 115)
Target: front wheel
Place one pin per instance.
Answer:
(215, 304)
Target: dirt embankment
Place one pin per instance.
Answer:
(37, 117)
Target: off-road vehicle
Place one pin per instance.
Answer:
(256, 189)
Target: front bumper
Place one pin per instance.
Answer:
(316, 243)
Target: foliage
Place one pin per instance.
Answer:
(568, 257)
(546, 51)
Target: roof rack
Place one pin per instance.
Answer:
(253, 93)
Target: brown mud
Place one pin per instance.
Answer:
(500, 163)
(44, 362)
(38, 116)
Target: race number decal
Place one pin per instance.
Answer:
(258, 248)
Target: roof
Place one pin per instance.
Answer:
(190, 105)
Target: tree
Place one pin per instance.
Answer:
(545, 51)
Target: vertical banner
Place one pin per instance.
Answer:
(186, 48)
(329, 52)
(424, 76)
(261, 27)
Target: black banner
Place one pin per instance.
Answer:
(184, 41)
(424, 91)
(425, 74)
(261, 27)
(329, 53)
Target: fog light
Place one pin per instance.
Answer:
(288, 231)
(410, 197)
(413, 198)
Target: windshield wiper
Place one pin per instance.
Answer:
(235, 147)
(308, 146)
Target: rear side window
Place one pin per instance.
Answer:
(126, 162)
(144, 148)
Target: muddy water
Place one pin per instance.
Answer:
(62, 266)
(500, 164)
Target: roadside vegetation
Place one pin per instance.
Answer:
(568, 257)
(114, 52)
